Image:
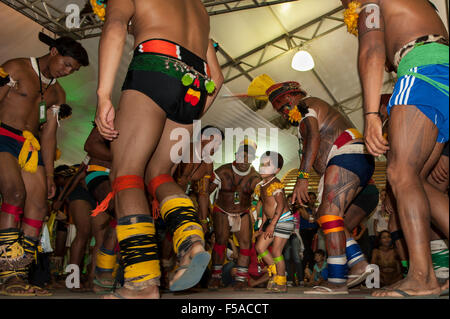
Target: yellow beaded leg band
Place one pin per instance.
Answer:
(272, 269)
(280, 280)
(106, 260)
(181, 217)
(138, 249)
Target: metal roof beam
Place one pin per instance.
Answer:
(215, 7)
(235, 63)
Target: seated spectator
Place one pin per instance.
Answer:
(387, 260)
(320, 270)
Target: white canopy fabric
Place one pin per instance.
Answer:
(239, 34)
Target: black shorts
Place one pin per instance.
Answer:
(81, 193)
(445, 150)
(9, 142)
(367, 199)
(161, 70)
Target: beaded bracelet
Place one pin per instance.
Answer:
(368, 113)
(303, 175)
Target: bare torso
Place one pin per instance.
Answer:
(407, 20)
(98, 149)
(231, 183)
(192, 172)
(331, 125)
(180, 21)
(269, 202)
(96, 161)
(19, 108)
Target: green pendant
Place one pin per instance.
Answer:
(210, 86)
(187, 79)
(236, 198)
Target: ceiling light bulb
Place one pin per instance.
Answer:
(302, 61)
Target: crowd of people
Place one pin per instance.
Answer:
(140, 216)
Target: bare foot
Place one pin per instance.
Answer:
(195, 249)
(444, 286)
(103, 282)
(410, 286)
(393, 286)
(214, 283)
(151, 292)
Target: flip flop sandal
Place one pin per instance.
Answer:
(403, 295)
(325, 291)
(194, 272)
(358, 278)
(24, 287)
(117, 295)
(100, 283)
(41, 294)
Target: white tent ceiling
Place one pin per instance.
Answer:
(252, 42)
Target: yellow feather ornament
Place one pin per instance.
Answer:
(351, 16)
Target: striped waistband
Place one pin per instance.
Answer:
(9, 131)
(173, 50)
(347, 136)
(287, 216)
(97, 168)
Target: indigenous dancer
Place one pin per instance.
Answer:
(103, 225)
(279, 221)
(194, 177)
(172, 80)
(231, 213)
(336, 152)
(30, 98)
(418, 125)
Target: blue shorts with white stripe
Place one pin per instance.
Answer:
(432, 102)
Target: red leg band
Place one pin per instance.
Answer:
(12, 210)
(119, 184)
(35, 223)
(220, 250)
(153, 186)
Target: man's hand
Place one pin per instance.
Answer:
(300, 193)
(373, 136)
(51, 187)
(269, 231)
(440, 172)
(105, 119)
(57, 204)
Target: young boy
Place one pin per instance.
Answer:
(278, 222)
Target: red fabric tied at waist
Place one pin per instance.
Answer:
(120, 183)
(5, 132)
(245, 252)
(347, 136)
(12, 210)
